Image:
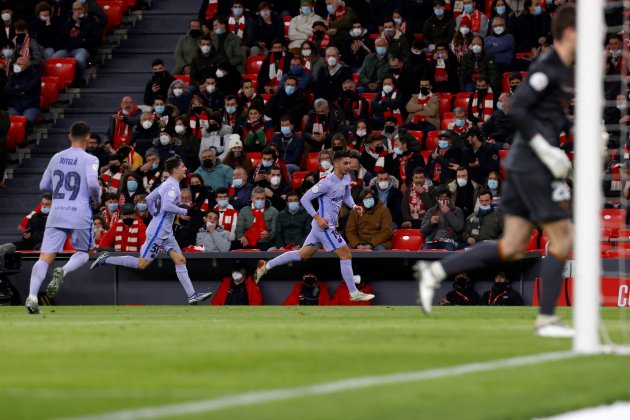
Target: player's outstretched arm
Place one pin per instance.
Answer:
(92, 181)
(306, 201)
(46, 183)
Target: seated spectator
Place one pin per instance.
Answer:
(386, 188)
(359, 135)
(461, 123)
(205, 61)
(417, 63)
(202, 196)
(269, 27)
(398, 44)
(373, 230)
(388, 102)
(478, 61)
(228, 77)
(260, 174)
(212, 138)
(342, 294)
(444, 160)
(185, 228)
(33, 234)
(463, 293)
(27, 46)
(242, 24)
(375, 67)
(403, 163)
(130, 186)
(187, 46)
(293, 224)
(340, 20)
(111, 211)
(213, 97)
(236, 157)
(189, 142)
(331, 76)
(213, 172)
(614, 51)
(80, 35)
(180, 96)
(325, 167)
(443, 69)
(532, 28)
(392, 131)
(45, 29)
(276, 64)
(424, 108)
(301, 26)
(247, 97)
(357, 46)
(403, 25)
(515, 79)
(276, 191)
(302, 76)
(406, 78)
(442, 223)
(310, 291)
(290, 145)
(617, 121)
(112, 173)
(481, 157)
(486, 224)
(481, 102)
(312, 62)
(164, 114)
(439, 28)
(479, 21)
(151, 170)
(501, 8)
(127, 234)
(100, 227)
(96, 148)
(279, 162)
(287, 101)
(320, 38)
(501, 293)
(493, 184)
(145, 133)
(227, 44)
(238, 289)
(159, 83)
(373, 155)
(256, 225)
(501, 44)
(8, 28)
(323, 122)
(123, 122)
(417, 199)
(339, 143)
(256, 131)
(462, 39)
(464, 192)
(241, 190)
(212, 236)
(359, 176)
(228, 215)
(166, 147)
(23, 90)
(353, 105)
(499, 127)
(142, 209)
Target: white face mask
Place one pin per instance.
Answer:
(361, 133)
(306, 53)
(220, 73)
(237, 276)
(332, 61)
(388, 88)
(464, 30)
(476, 48)
(6, 17)
(325, 164)
(211, 88)
(164, 140)
(383, 185)
(178, 92)
(462, 182)
(146, 124)
(275, 181)
(17, 68)
(179, 129)
(499, 30)
(356, 32)
(205, 49)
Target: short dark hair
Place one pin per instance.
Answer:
(564, 19)
(483, 79)
(79, 130)
(269, 151)
(222, 190)
(418, 171)
(275, 168)
(96, 137)
(292, 78)
(206, 37)
(195, 175)
(47, 196)
(110, 196)
(229, 98)
(443, 190)
(172, 163)
(292, 194)
(340, 154)
(286, 118)
(485, 192)
(157, 62)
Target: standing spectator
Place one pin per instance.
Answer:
(386, 188)
(323, 122)
(287, 101)
(482, 157)
(5, 125)
(309, 291)
(33, 234)
(442, 223)
(398, 44)
(212, 236)
(241, 190)
(357, 46)
(479, 21)
(186, 48)
(238, 289)
(499, 126)
(23, 90)
(79, 36)
(417, 199)
(241, 24)
(464, 192)
(501, 293)
(269, 27)
(331, 77)
(123, 122)
(444, 159)
(159, 83)
(481, 102)
(375, 67)
(203, 63)
(372, 230)
(484, 225)
(227, 44)
(501, 44)
(213, 172)
(340, 20)
(463, 293)
(440, 27)
(276, 64)
(293, 224)
(290, 145)
(127, 234)
(301, 26)
(532, 27)
(424, 108)
(256, 224)
(478, 61)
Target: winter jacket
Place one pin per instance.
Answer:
(374, 227)
(394, 197)
(24, 89)
(470, 193)
(502, 47)
(330, 86)
(303, 294)
(374, 69)
(300, 28)
(218, 241)
(290, 149)
(430, 111)
(89, 36)
(336, 123)
(220, 176)
(281, 104)
(185, 51)
(483, 64)
(448, 227)
(203, 66)
(292, 228)
(246, 219)
(227, 286)
(491, 226)
(228, 45)
(438, 30)
(241, 197)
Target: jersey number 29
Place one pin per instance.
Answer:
(71, 182)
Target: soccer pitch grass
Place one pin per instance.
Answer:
(75, 361)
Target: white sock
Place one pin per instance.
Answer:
(76, 261)
(438, 271)
(182, 275)
(37, 277)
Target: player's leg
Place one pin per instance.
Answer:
(560, 234)
(301, 254)
(83, 242)
(345, 262)
(510, 247)
(174, 252)
(51, 244)
(148, 252)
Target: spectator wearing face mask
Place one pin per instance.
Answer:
(8, 28)
(501, 293)
(112, 173)
(464, 192)
(185, 228)
(228, 215)
(190, 143)
(323, 122)
(463, 293)
(481, 156)
(398, 44)
(288, 101)
(180, 96)
(461, 124)
(100, 228)
(417, 199)
(403, 163)
(211, 95)
(33, 232)
(353, 105)
(478, 61)
(269, 27)
(27, 45)
(357, 46)
(533, 26)
(236, 157)
(213, 172)
(424, 108)
(256, 226)
(257, 131)
(374, 153)
(130, 187)
(276, 191)
(127, 234)
(481, 102)
(289, 144)
(478, 20)
(159, 83)
(443, 223)
(302, 76)
(486, 224)
(166, 147)
(442, 69)
(238, 289)
(23, 90)
(320, 38)
(501, 44)
(462, 39)
(331, 77)
(211, 138)
(187, 47)
(151, 171)
(204, 62)
(375, 67)
(444, 159)
(241, 189)
(340, 18)
(142, 209)
(325, 167)
(388, 102)
(387, 189)
(163, 115)
(123, 122)
(311, 61)
(373, 230)
(301, 25)
(111, 210)
(145, 132)
(499, 127)
(212, 236)
(293, 224)
(203, 197)
(310, 291)
(274, 66)
(440, 27)
(227, 44)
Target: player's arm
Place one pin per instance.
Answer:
(169, 205)
(349, 201)
(92, 181)
(317, 191)
(151, 200)
(46, 183)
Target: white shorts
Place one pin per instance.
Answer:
(151, 247)
(55, 238)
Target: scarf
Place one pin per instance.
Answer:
(395, 112)
(319, 127)
(149, 180)
(437, 169)
(275, 72)
(340, 12)
(237, 26)
(417, 209)
(461, 130)
(202, 120)
(357, 108)
(227, 217)
(440, 74)
(111, 181)
(121, 129)
(324, 43)
(323, 174)
(380, 160)
(486, 109)
(229, 119)
(127, 241)
(212, 9)
(253, 234)
(25, 51)
(306, 64)
(402, 163)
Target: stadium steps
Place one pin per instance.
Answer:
(145, 36)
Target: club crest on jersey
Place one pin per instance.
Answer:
(315, 189)
(171, 193)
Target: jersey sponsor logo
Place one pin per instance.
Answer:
(538, 81)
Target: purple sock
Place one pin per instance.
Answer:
(76, 261)
(182, 275)
(125, 261)
(37, 277)
(348, 275)
(284, 258)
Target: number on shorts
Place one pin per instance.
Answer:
(158, 206)
(71, 182)
(561, 191)
(155, 248)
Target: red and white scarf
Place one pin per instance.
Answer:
(275, 72)
(380, 160)
(488, 104)
(254, 233)
(121, 129)
(440, 74)
(25, 51)
(227, 217)
(127, 241)
(198, 123)
(149, 181)
(402, 160)
(417, 209)
(237, 25)
(324, 43)
(111, 181)
(461, 130)
(437, 169)
(475, 18)
(395, 111)
(212, 9)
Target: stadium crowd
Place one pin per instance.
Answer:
(263, 94)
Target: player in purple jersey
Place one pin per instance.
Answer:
(330, 193)
(164, 206)
(72, 176)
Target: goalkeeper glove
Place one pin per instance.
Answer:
(553, 157)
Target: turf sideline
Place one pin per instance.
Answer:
(261, 397)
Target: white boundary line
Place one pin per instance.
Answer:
(261, 397)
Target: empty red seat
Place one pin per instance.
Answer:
(63, 68)
(114, 11)
(461, 100)
(407, 239)
(311, 162)
(431, 142)
(254, 63)
(613, 218)
(355, 77)
(446, 99)
(183, 77)
(425, 155)
(265, 97)
(50, 90)
(287, 22)
(17, 132)
(446, 119)
(297, 178)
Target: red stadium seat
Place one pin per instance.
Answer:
(505, 81)
(418, 135)
(183, 77)
(311, 162)
(425, 155)
(265, 97)
(418, 36)
(50, 89)
(369, 96)
(113, 9)
(355, 77)
(446, 119)
(63, 68)
(623, 234)
(446, 99)
(524, 55)
(613, 218)
(503, 154)
(17, 132)
(608, 233)
(618, 253)
(287, 22)
(461, 100)
(255, 157)
(297, 178)
(407, 239)
(254, 63)
(431, 141)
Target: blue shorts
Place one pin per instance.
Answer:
(55, 238)
(151, 247)
(328, 239)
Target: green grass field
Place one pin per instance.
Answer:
(75, 361)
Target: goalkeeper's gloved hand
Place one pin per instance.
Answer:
(553, 157)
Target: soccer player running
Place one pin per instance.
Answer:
(72, 177)
(330, 193)
(535, 191)
(164, 206)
